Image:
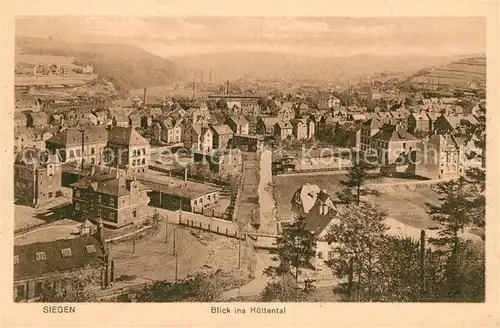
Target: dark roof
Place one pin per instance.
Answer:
(239, 120)
(73, 137)
(315, 222)
(39, 117)
(177, 187)
(126, 136)
(393, 133)
(222, 129)
(372, 123)
(30, 268)
(108, 183)
(270, 121)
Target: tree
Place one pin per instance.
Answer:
(354, 187)
(356, 239)
(283, 289)
(199, 288)
(452, 216)
(76, 286)
(294, 251)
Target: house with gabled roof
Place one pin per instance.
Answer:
(238, 124)
(222, 135)
(198, 137)
(167, 130)
(392, 142)
(67, 144)
(369, 128)
(130, 150)
(33, 263)
(265, 125)
(110, 195)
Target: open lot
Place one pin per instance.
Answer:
(403, 203)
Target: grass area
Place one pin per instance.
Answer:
(404, 203)
(223, 256)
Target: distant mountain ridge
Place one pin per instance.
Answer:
(464, 72)
(127, 67)
(268, 65)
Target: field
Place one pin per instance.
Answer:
(401, 202)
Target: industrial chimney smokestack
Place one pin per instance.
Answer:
(227, 87)
(144, 100)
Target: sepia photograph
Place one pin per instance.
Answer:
(249, 159)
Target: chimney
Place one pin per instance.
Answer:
(144, 100)
(227, 87)
(92, 170)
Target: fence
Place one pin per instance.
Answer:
(211, 213)
(218, 226)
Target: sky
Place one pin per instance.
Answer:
(320, 37)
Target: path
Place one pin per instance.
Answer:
(267, 205)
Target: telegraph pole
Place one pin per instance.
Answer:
(133, 242)
(82, 130)
(194, 82)
(422, 264)
(166, 229)
(174, 251)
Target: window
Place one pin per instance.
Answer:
(133, 162)
(40, 256)
(92, 150)
(78, 152)
(90, 249)
(112, 201)
(77, 193)
(99, 198)
(71, 154)
(144, 151)
(20, 292)
(99, 212)
(112, 215)
(16, 259)
(143, 162)
(66, 252)
(330, 255)
(441, 170)
(92, 161)
(320, 255)
(134, 212)
(208, 197)
(38, 288)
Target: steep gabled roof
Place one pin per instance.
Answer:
(73, 137)
(393, 133)
(107, 183)
(222, 129)
(29, 268)
(126, 136)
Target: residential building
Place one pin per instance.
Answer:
(238, 124)
(111, 196)
(319, 220)
(130, 150)
(265, 125)
(91, 118)
(31, 138)
(328, 102)
(37, 177)
(222, 161)
(57, 120)
(439, 157)
(250, 143)
(368, 129)
(68, 144)
(198, 137)
(234, 107)
(177, 194)
(121, 120)
(301, 110)
(304, 199)
(222, 135)
(419, 123)
(453, 123)
(20, 120)
(283, 129)
(392, 144)
(134, 121)
(167, 131)
(37, 119)
(33, 263)
(286, 113)
(102, 117)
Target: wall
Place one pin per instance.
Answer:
(219, 226)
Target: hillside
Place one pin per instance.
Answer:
(127, 67)
(463, 73)
(266, 65)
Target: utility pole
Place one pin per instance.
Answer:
(166, 229)
(82, 130)
(194, 82)
(176, 262)
(422, 264)
(173, 250)
(133, 242)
